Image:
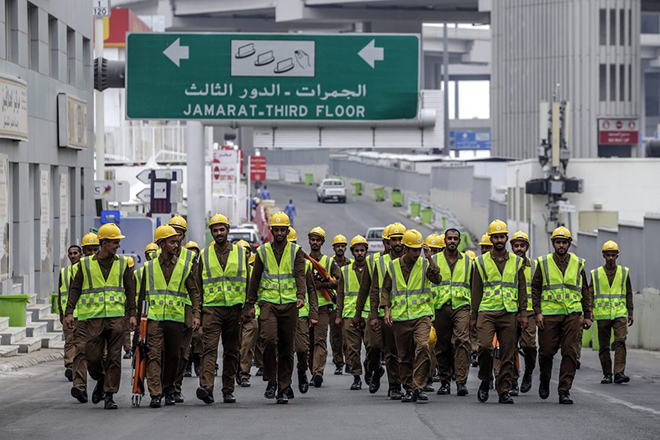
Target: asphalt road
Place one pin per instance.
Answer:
(35, 402)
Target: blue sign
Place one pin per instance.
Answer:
(471, 140)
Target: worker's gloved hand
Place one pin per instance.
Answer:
(196, 323)
(132, 322)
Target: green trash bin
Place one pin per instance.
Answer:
(309, 177)
(379, 193)
(13, 306)
(414, 209)
(357, 188)
(397, 198)
(54, 307)
(427, 215)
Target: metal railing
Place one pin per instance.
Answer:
(131, 144)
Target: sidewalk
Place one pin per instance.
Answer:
(30, 359)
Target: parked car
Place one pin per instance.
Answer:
(249, 235)
(374, 237)
(331, 189)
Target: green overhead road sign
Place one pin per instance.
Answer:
(349, 77)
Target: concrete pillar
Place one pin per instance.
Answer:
(23, 226)
(196, 182)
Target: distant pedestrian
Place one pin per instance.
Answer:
(290, 210)
(265, 194)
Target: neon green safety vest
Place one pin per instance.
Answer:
(561, 293)
(372, 264)
(304, 311)
(66, 275)
(224, 287)
(101, 298)
(455, 286)
(138, 277)
(165, 299)
(529, 270)
(351, 290)
(500, 289)
(412, 299)
(609, 301)
(278, 285)
(326, 262)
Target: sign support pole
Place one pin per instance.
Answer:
(196, 182)
(100, 117)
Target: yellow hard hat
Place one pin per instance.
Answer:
(358, 239)
(163, 232)
(470, 254)
(293, 235)
(280, 219)
(339, 239)
(218, 219)
(386, 232)
(520, 235)
(433, 337)
(90, 239)
(412, 238)
(561, 232)
(178, 222)
(433, 241)
(109, 231)
(497, 227)
(317, 231)
(253, 256)
(610, 246)
(442, 241)
(396, 230)
(131, 261)
(485, 240)
(151, 247)
(192, 245)
(243, 243)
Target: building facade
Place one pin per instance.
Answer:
(46, 135)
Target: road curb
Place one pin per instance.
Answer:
(30, 361)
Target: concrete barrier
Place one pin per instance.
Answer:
(645, 332)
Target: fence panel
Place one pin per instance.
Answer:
(632, 253)
(652, 250)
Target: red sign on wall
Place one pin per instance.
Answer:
(618, 132)
(257, 168)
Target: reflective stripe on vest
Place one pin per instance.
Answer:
(351, 290)
(304, 311)
(455, 285)
(500, 290)
(529, 270)
(412, 299)
(224, 287)
(100, 297)
(326, 262)
(561, 293)
(66, 276)
(277, 285)
(609, 301)
(165, 299)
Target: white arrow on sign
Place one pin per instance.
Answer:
(175, 52)
(145, 195)
(145, 176)
(370, 53)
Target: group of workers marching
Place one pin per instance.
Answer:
(426, 315)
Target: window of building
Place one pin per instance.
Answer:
(33, 36)
(603, 27)
(52, 45)
(612, 27)
(9, 24)
(602, 82)
(622, 83)
(612, 82)
(650, 23)
(622, 27)
(87, 61)
(71, 55)
(521, 204)
(652, 95)
(630, 88)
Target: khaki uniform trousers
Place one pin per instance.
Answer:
(126, 342)
(79, 364)
(527, 343)
(301, 344)
(452, 327)
(69, 347)
(503, 324)
(336, 340)
(353, 340)
(164, 344)
(105, 333)
(559, 331)
(249, 336)
(184, 356)
(320, 352)
(412, 339)
(277, 328)
(605, 328)
(220, 322)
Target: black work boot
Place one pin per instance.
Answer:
(565, 398)
(374, 383)
(169, 400)
(394, 393)
(271, 389)
(339, 370)
(606, 379)
(317, 380)
(357, 383)
(109, 402)
(408, 397)
(367, 374)
(303, 383)
(482, 393)
(97, 394)
(79, 394)
(228, 397)
(506, 398)
(197, 360)
(445, 388)
(514, 389)
(178, 397)
(420, 396)
(205, 394)
(429, 386)
(155, 402)
(526, 384)
(544, 389)
(288, 392)
(461, 389)
(68, 373)
(621, 378)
